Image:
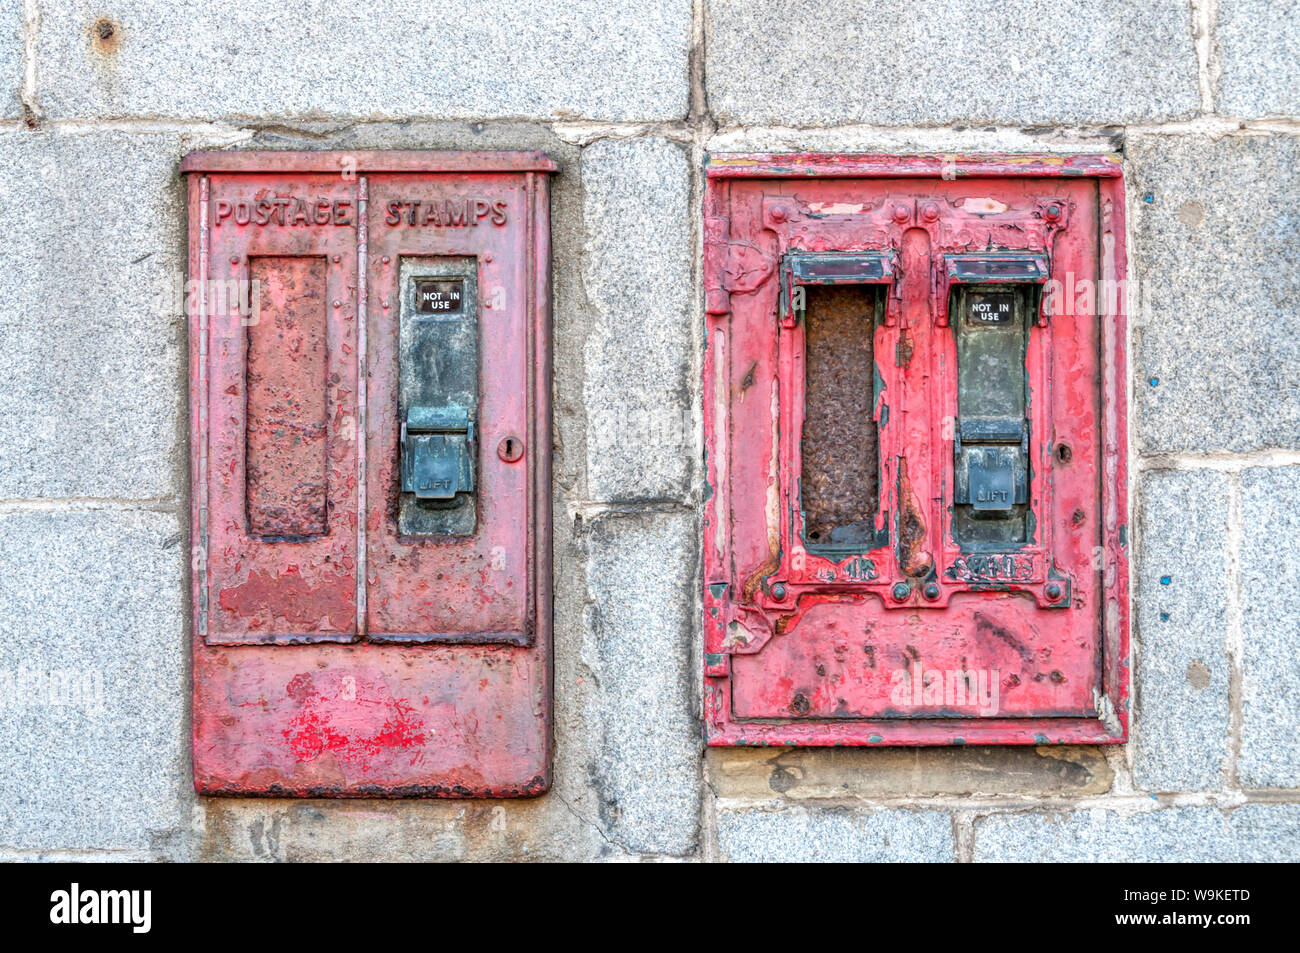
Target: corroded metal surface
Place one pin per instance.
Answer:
(919, 636)
(286, 467)
(267, 461)
(334, 656)
(840, 478)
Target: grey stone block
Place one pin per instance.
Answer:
(1217, 337)
(78, 857)
(11, 57)
(1251, 833)
(1259, 56)
(786, 62)
(637, 278)
(413, 830)
(1270, 592)
(806, 774)
(834, 835)
(644, 712)
(457, 59)
(92, 679)
(92, 350)
(1180, 598)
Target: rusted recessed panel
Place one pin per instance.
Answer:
(840, 447)
(286, 424)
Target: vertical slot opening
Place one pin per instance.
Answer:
(840, 444)
(991, 439)
(438, 396)
(285, 465)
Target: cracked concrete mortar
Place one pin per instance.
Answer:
(638, 119)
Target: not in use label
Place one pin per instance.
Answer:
(439, 296)
(992, 308)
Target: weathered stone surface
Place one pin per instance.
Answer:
(637, 277)
(11, 56)
(1180, 598)
(1270, 592)
(834, 835)
(555, 59)
(1252, 833)
(791, 63)
(810, 773)
(1217, 339)
(1259, 59)
(91, 335)
(92, 679)
(540, 829)
(644, 714)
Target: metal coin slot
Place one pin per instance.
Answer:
(438, 396)
(991, 439)
(437, 452)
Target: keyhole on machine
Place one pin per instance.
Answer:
(510, 449)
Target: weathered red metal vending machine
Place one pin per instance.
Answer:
(914, 405)
(370, 459)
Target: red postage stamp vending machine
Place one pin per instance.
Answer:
(914, 406)
(370, 459)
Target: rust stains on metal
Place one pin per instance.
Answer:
(913, 557)
(905, 593)
(840, 445)
(755, 579)
(771, 510)
(295, 450)
(747, 381)
(286, 466)
(105, 35)
(293, 599)
(903, 350)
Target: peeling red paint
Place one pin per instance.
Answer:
(293, 600)
(804, 641)
(334, 656)
(913, 559)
